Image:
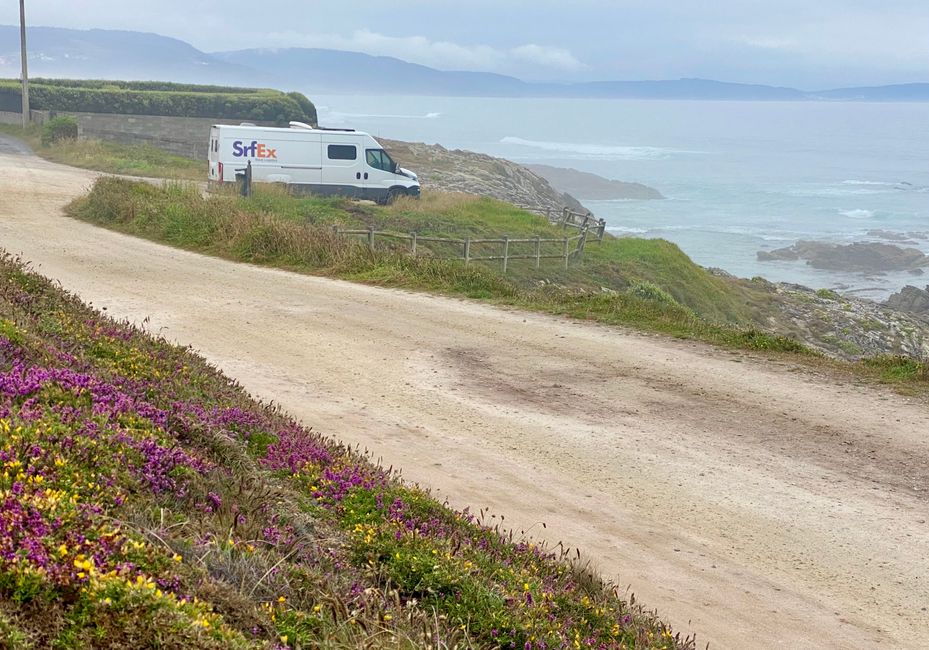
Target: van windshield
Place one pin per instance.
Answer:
(379, 159)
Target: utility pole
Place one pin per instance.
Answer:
(22, 42)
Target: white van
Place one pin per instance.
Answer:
(311, 160)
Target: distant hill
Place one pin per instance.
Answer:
(109, 54)
(337, 71)
(895, 93)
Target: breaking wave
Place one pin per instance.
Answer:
(596, 150)
(877, 183)
(335, 115)
(857, 214)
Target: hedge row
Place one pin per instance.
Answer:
(263, 105)
(104, 84)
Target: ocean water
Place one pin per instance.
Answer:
(739, 177)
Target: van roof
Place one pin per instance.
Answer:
(291, 129)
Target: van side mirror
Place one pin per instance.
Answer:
(394, 167)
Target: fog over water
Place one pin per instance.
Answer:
(739, 176)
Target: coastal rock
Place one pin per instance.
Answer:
(847, 327)
(465, 171)
(911, 300)
(593, 187)
(861, 257)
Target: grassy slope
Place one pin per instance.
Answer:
(111, 157)
(613, 263)
(148, 501)
(275, 229)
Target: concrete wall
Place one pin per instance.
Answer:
(184, 136)
(7, 117)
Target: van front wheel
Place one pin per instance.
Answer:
(393, 194)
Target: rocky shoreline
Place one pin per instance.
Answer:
(456, 170)
(847, 327)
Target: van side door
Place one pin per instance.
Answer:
(343, 172)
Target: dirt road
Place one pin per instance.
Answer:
(752, 502)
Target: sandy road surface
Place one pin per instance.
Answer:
(754, 503)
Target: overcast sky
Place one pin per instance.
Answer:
(810, 44)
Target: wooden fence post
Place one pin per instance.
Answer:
(564, 218)
(506, 252)
(467, 250)
(371, 239)
(601, 230)
(581, 243)
(413, 244)
(565, 253)
(538, 251)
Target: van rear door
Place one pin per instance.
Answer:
(214, 172)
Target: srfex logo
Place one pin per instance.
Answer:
(254, 150)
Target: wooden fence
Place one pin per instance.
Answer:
(507, 248)
(568, 218)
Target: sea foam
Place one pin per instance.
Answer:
(857, 214)
(598, 151)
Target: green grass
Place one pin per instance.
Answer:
(618, 264)
(274, 229)
(111, 157)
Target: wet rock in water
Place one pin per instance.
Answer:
(911, 300)
(861, 257)
(788, 254)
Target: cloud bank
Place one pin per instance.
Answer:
(440, 54)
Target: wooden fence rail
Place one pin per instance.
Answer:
(507, 253)
(568, 218)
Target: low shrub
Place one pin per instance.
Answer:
(58, 129)
(651, 291)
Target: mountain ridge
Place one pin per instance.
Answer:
(131, 55)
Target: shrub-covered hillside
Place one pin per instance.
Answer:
(148, 502)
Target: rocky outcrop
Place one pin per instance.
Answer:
(911, 300)
(593, 187)
(465, 171)
(846, 327)
(861, 257)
